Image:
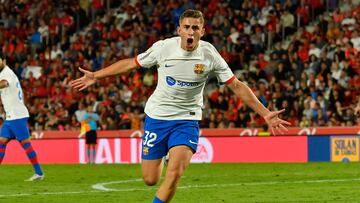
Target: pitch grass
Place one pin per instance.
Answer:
(308, 182)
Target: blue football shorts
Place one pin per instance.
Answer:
(15, 129)
(161, 135)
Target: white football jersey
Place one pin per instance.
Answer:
(181, 78)
(12, 96)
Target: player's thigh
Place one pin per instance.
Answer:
(20, 129)
(155, 139)
(179, 160)
(6, 133)
(186, 133)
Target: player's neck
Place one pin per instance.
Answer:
(2, 68)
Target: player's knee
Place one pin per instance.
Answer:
(4, 140)
(150, 180)
(24, 141)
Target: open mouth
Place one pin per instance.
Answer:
(189, 41)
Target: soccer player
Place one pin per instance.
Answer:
(174, 109)
(15, 124)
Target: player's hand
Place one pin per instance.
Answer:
(275, 123)
(357, 110)
(85, 81)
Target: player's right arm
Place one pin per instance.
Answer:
(271, 117)
(3, 84)
(90, 78)
(243, 92)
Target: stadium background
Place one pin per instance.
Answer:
(298, 55)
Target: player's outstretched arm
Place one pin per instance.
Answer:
(271, 117)
(90, 78)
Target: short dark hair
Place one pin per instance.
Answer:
(191, 13)
(2, 55)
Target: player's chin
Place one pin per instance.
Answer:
(189, 47)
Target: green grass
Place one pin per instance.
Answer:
(310, 182)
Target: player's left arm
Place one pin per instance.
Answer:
(271, 117)
(3, 84)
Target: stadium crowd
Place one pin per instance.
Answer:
(298, 55)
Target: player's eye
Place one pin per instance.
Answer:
(195, 28)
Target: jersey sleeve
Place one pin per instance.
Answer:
(4, 75)
(151, 56)
(221, 69)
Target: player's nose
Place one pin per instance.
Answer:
(191, 32)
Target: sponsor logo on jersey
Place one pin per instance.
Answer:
(199, 68)
(171, 81)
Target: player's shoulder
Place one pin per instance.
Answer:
(209, 50)
(7, 71)
(173, 41)
(208, 47)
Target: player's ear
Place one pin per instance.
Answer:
(202, 32)
(178, 30)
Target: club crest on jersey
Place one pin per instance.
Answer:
(146, 151)
(199, 68)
